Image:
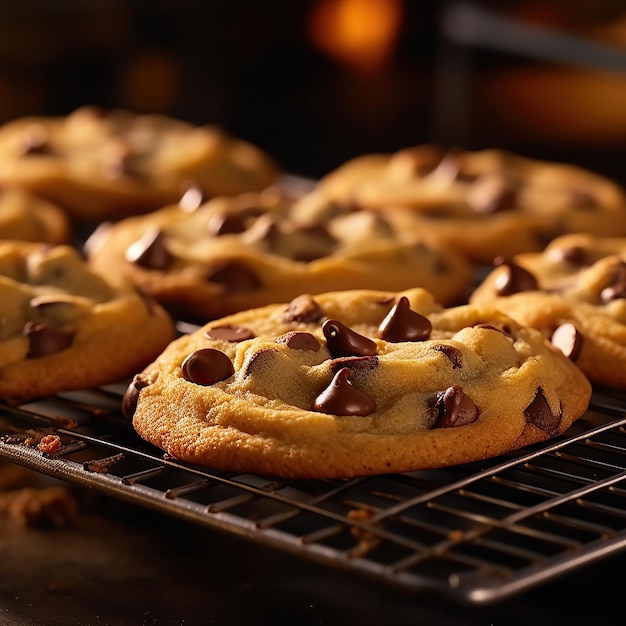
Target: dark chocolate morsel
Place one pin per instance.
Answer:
(235, 277)
(303, 309)
(229, 333)
(491, 195)
(207, 367)
(404, 324)
(192, 196)
(44, 340)
(355, 363)
(300, 341)
(513, 278)
(150, 251)
(131, 395)
(453, 354)
(341, 397)
(35, 141)
(223, 224)
(343, 341)
(617, 288)
(455, 408)
(568, 339)
(261, 360)
(574, 255)
(504, 330)
(539, 413)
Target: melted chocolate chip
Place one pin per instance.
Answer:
(539, 413)
(454, 408)
(513, 278)
(192, 196)
(223, 224)
(454, 354)
(617, 288)
(355, 363)
(568, 339)
(343, 341)
(342, 398)
(404, 324)
(35, 141)
(303, 309)
(44, 340)
(235, 277)
(505, 330)
(300, 341)
(150, 251)
(131, 395)
(260, 361)
(207, 367)
(233, 334)
(490, 195)
(574, 255)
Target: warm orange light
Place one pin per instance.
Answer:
(358, 33)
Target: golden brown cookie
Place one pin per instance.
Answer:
(484, 203)
(27, 217)
(575, 293)
(104, 165)
(355, 383)
(63, 327)
(230, 254)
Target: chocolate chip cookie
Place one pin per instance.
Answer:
(575, 293)
(229, 254)
(102, 165)
(355, 383)
(27, 217)
(484, 203)
(64, 327)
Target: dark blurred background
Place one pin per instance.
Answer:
(317, 82)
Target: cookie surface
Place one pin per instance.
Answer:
(354, 383)
(484, 203)
(574, 292)
(230, 254)
(27, 217)
(105, 165)
(64, 327)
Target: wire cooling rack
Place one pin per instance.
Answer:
(475, 533)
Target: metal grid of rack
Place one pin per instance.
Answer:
(474, 534)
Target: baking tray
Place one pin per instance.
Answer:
(475, 534)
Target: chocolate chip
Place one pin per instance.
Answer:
(342, 398)
(583, 199)
(261, 360)
(120, 160)
(617, 288)
(233, 334)
(35, 141)
(505, 330)
(453, 354)
(44, 340)
(355, 363)
(454, 408)
(207, 367)
(150, 251)
(490, 195)
(300, 341)
(319, 243)
(343, 341)
(224, 224)
(574, 255)
(404, 324)
(513, 278)
(568, 339)
(192, 196)
(131, 395)
(235, 277)
(539, 413)
(303, 309)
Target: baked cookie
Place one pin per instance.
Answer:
(27, 217)
(354, 383)
(64, 327)
(575, 293)
(484, 203)
(104, 165)
(229, 254)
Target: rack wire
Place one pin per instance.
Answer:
(474, 534)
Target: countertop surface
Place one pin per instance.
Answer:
(119, 564)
